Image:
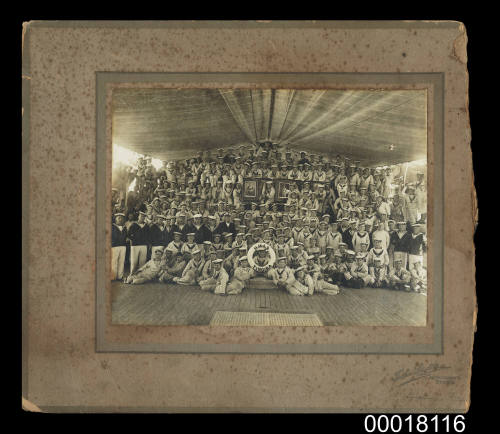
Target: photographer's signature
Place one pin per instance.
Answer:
(405, 375)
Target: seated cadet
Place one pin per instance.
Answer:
(418, 279)
(227, 262)
(294, 260)
(322, 236)
(175, 245)
(192, 271)
(300, 286)
(312, 247)
(206, 249)
(320, 278)
(172, 266)
(221, 278)
(281, 274)
(301, 252)
(377, 251)
(217, 281)
(217, 242)
(338, 269)
(242, 273)
(399, 278)
(237, 254)
(364, 250)
(311, 267)
(266, 236)
(207, 266)
(262, 257)
(378, 273)
(359, 273)
(330, 251)
(228, 240)
(343, 251)
(190, 245)
(280, 245)
(240, 240)
(148, 272)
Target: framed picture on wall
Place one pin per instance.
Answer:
(250, 189)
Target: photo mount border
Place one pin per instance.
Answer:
(437, 79)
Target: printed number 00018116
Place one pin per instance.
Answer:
(421, 423)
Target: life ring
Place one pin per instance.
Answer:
(271, 258)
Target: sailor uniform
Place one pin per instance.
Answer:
(359, 238)
(281, 277)
(379, 277)
(148, 272)
(416, 245)
(239, 280)
(118, 250)
(191, 273)
(399, 279)
(418, 280)
(138, 234)
(175, 247)
(358, 275)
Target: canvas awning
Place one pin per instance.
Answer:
(375, 127)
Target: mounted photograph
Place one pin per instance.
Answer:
(269, 207)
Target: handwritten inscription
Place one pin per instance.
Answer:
(431, 371)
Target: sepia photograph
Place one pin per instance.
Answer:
(269, 207)
(248, 217)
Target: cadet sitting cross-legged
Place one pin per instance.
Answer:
(242, 274)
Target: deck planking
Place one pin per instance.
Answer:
(160, 304)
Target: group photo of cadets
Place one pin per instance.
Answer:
(335, 225)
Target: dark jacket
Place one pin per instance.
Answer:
(416, 245)
(401, 244)
(138, 236)
(226, 228)
(118, 238)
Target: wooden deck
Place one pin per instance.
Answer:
(160, 304)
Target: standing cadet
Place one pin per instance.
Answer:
(417, 242)
(138, 234)
(421, 193)
(156, 234)
(118, 246)
(400, 243)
